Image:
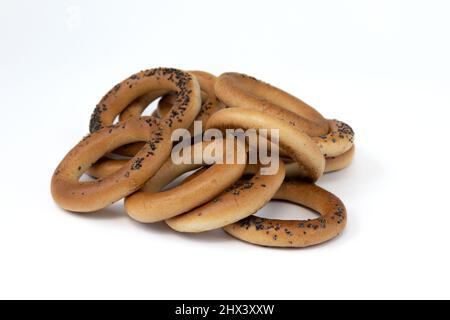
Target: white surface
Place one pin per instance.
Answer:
(382, 66)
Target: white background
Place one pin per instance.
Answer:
(381, 66)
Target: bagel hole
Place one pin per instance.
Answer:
(115, 156)
(282, 210)
(151, 107)
(148, 110)
(86, 178)
(179, 181)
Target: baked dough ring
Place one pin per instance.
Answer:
(238, 202)
(138, 106)
(135, 109)
(239, 90)
(332, 164)
(162, 81)
(295, 233)
(338, 141)
(210, 104)
(73, 195)
(298, 144)
(168, 172)
(335, 163)
(150, 207)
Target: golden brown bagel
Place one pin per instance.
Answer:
(340, 162)
(170, 171)
(332, 164)
(137, 107)
(210, 103)
(239, 201)
(105, 167)
(166, 174)
(298, 144)
(73, 195)
(149, 207)
(295, 233)
(338, 141)
(162, 81)
(239, 90)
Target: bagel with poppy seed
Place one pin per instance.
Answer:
(71, 194)
(295, 233)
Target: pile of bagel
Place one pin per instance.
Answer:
(128, 156)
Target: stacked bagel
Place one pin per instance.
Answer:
(129, 157)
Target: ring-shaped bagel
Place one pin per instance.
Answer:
(210, 103)
(138, 106)
(160, 80)
(150, 207)
(73, 195)
(135, 109)
(170, 171)
(332, 164)
(236, 203)
(166, 174)
(295, 233)
(242, 91)
(301, 148)
(338, 141)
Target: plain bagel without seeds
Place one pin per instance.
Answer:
(332, 164)
(239, 201)
(241, 91)
(149, 207)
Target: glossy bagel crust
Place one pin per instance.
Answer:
(162, 81)
(138, 106)
(238, 90)
(150, 207)
(166, 174)
(170, 171)
(210, 103)
(338, 141)
(242, 91)
(301, 148)
(332, 164)
(147, 207)
(237, 202)
(340, 162)
(73, 195)
(295, 233)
